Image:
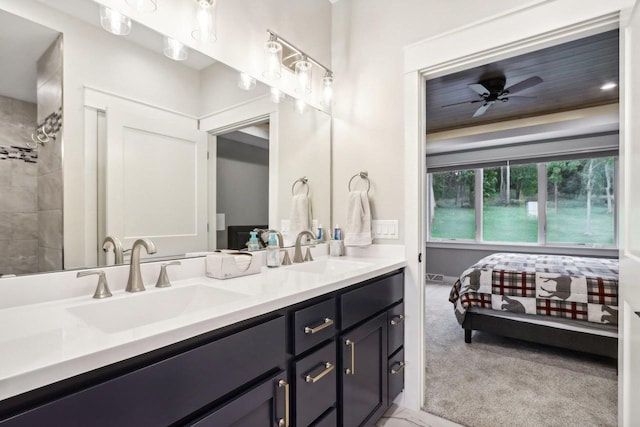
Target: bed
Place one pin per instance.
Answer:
(564, 301)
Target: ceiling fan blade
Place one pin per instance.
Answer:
(521, 97)
(480, 111)
(525, 84)
(479, 89)
(460, 103)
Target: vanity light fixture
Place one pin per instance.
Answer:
(300, 106)
(175, 49)
(279, 54)
(246, 82)
(277, 96)
(114, 21)
(272, 58)
(143, 5)
(303, 76)
(327, 89)
(204, 26)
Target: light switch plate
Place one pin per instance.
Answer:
(385, 228)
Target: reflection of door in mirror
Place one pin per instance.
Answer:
(242, 178)
(30, 147)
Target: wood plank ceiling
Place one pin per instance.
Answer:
(572, 75)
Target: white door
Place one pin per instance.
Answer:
(629, 378)
(154, 181)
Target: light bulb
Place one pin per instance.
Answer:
(114, 21)
(143, 5)
(300, 106)
(175, 50)
(327, 89)
(276, 95)
(608, 86)
(272, 59)
(246, 82)
(204, 21)
(303, 76)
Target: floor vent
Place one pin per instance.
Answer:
(431, 277)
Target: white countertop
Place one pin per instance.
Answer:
(45, 342)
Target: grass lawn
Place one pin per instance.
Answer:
(511, 224)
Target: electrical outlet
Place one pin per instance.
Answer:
(384, 228)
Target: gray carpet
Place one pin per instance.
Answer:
(497, 381)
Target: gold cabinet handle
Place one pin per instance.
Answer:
(400, 367)
(284, 422)
(397, 320)
(328, 367)
(325, 324)
(352, 370)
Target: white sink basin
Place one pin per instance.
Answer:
(154, 305)
(329, 266)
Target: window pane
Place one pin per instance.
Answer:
(510, 208)
(452, 205)
(580, 205)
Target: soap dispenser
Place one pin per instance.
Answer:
(273, 250)
(253, 244)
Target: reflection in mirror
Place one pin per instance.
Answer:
(144, 138)
(30, 147)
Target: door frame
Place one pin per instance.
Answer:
(507, 34)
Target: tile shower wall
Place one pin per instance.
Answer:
(49, 175)
(18, 187)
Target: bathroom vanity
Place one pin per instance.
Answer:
(319, 344)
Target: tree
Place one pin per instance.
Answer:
(524, 179)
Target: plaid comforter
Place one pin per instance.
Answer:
(549, 285)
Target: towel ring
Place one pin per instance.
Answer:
(363, 175)
(302, 181)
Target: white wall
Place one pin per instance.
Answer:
(368, 134)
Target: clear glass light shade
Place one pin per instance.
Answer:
(114, 21)
(175, 50)
(277, 96)
(143, 5)
(300, 106)
(303, 76)
(204, 25)
(272, 60)
(327, 90)
(246, 82)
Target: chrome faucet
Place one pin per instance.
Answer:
(297, 256)
(117, 248)
(135, 284)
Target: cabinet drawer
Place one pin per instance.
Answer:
(252, 409)
(330, 419)
(395, 321)
(368, 300)
(313, 324)
(315, 384)
(169, 390)
(396, 375)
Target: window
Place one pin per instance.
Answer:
(452, 199)
(563, 202)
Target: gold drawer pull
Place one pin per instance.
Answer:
(352, 370)
(284, 422)
(328, 367)
(325, 324)
(399, 369)
(397, 320)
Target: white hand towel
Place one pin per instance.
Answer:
(358, 231)
(301, 216)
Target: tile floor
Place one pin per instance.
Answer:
(401, 417)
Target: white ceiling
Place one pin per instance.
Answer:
(22, 42)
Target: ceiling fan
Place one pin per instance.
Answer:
(493, 90)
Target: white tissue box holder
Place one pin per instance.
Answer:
(222, 265)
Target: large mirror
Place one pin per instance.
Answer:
(171, 150)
